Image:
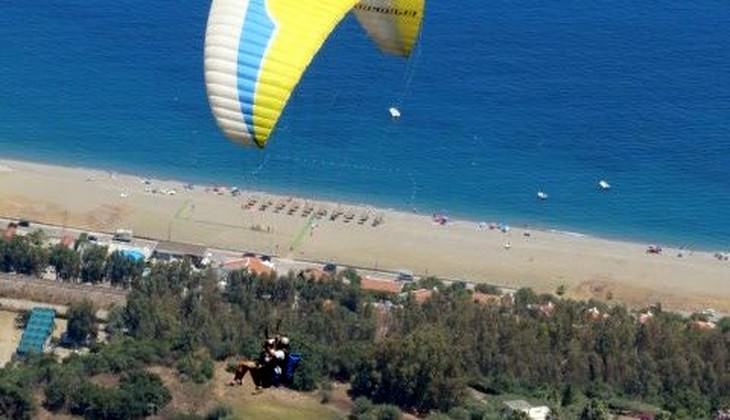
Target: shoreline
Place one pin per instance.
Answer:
(351, 201)
(541, 258)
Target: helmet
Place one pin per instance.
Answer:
(284, 341)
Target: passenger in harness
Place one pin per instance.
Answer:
(274, 366)
(280, 357)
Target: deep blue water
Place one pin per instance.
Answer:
(503, 98)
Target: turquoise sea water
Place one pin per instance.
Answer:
(501, 100)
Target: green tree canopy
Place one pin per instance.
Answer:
(82, 324)
(418, 371)
(66, 261)
(93, 260)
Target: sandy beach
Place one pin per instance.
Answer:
(363, 236)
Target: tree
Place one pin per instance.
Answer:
(93, 259)
(21, 320)
(568, 397)
(82, 323)
(525, 296)
(121, 270)
(16, 402)
(36, 238)
(145, 393)
(419, 371)
(516, 415)
(220, 412)
(67, 262)
(595, 410)
(360, 407)
(22, 255)
(724, 324)
(487, 289)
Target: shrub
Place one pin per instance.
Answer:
(220, 412)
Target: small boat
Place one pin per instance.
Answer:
(394, 113)
(604, 185)
(542, 195)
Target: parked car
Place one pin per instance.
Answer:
(330, 269)
(405, 276)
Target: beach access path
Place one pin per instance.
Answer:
(290, 228)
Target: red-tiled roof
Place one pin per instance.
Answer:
(422, 295)
(645, 317)
(252, 264)
(315, 274)
(486, 299)
(10, 231)
(374, 284)
(702, 325)
(68, 241)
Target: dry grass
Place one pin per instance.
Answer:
(57, 293)
(272, 404)
(9, 336)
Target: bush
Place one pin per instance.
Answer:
(459, 413)
(81, 323)
(59, 388)
(437, 415)
(198, 369)
(325, 392)
(205, 371)
(186, 416)
(21, 320)
(15, 401)
(146, 392)
(360, 407)
(220, 412)
(487, 289)
(306, 377)
(325, 396)
(387, 412)
(364, 409)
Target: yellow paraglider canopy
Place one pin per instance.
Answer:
(257, 50)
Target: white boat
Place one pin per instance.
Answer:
(542, 195)
(394, 113)
(604, 185)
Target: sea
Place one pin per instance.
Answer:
(500, 100)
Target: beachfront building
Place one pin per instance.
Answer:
(380, 286)
(10, 231)
(421, 296)
(177, 251)
(701, 325)
(546, 309)
(254, 265)
(486, 298)
(534, 413)
(315, 274)
(37, 331)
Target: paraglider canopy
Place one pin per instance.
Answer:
(257, 50)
